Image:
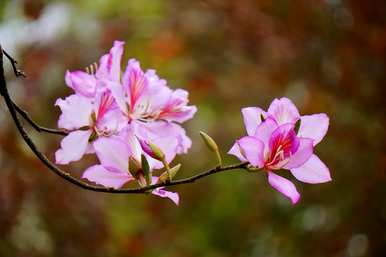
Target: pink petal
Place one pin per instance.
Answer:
(235, 150)
(314, 171)
(81, 82)
(101, 175)
(283, 111)
(303, 153)
(118, 92)
(166, 194)
(135, 83)
(252, 118)
(314, 127)
(176, 108)
(76, 112)
(110, 64)
(284, 186)
(265, 130)
(73, 147)
(112, 121)
(113, 153)
(253, 150)
(161, 192)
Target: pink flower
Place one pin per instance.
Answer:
(150, 104)
(113, 154)
(87, 119)
(272, 144)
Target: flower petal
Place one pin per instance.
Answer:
(236, 151)
(134, 82)
(253, 150)
(314, 127)
(284, 186)
(252, 118)
(265, 130)
(101, 175)
(161, 192)
(176, 108)
(303, 153)
(119, 95)
(110, 64)
(81, 82)
(314, 171)
(73, 147)
(283, 111)
(167, 194)
(113, 153)
(76, 112)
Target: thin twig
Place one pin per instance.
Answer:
(23, 113)
(67, 176)
(36, 126)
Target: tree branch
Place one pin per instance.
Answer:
(14, 109)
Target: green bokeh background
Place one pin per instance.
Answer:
(327, 56)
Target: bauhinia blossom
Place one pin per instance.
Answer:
(111, 113)
(151, 106)
(87, 119)
(273, 145)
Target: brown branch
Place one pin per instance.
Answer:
(67, 176)
(23, 113)
(36, 126)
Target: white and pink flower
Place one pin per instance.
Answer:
(272, 144)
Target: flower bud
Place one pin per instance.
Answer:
(146, 169)
(134, 167)
(209, 141)
(152, 150)
(297, 126)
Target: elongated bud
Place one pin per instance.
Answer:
(209, 141)
(211, 144)
(146, 169)
(297, 125)
(134, 167)
(167, 175)
(152, 150)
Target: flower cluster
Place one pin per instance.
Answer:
(132, 122)
(113, 114)
(281, 139)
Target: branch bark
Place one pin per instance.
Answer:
(14, 109)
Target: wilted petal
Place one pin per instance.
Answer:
(252, 118)
(314, 171)
(72, 147)
(303, 153)
(314, 127)
(101, 175)
(113, 152)
(81, 82)
(284, 186)
(253, 150)
(76, 112)
(283, 111)
(164, 193)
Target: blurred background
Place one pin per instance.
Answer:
(327, 56)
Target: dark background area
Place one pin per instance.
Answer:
(327, 56)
